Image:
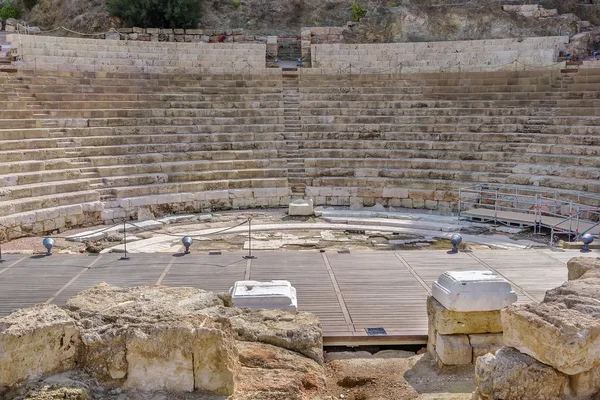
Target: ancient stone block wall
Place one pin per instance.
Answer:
(478, 55)
(92, 55)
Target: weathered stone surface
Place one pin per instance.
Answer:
(454, 349)
(511, 375)
(150, 339)
(587, 384)
(301, 208)
(36, 341)
(483, 343)
(142, 303)
(301, 332)
(579, 266)
(64, 386)
(267, 369)
(448, 322)
(563, 331)
(104, 355)
(193, 354)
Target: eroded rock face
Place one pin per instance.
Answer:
(563, 331)
(268, 370)
(299, 332)
(161, 339)
(187, 355)
(156, 338)
(512, 375)
(580, 266)
(37, 341)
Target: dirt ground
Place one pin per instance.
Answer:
(397, 378)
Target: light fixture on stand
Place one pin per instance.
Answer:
(455, 239)
(187, 242)
(587, 239)
(48, 244)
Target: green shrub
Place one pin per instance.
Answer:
(156, 13)
(10, 10)
(358, 11)
(236, 3)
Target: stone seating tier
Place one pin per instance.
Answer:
(179, 144)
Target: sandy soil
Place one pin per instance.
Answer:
(397, 378)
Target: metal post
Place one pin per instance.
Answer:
(125, 257)
(1, 259)
(249, 256)
(459, 198)
(570, 219)
(496, 208)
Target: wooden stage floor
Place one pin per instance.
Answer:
(348, 291)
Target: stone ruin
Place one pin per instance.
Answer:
(552, 349)
(158, 339)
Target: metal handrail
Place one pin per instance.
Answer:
(554, 227)
(544, 203)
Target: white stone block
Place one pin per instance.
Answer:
(301, 207)
(467, 291)
(275, 294)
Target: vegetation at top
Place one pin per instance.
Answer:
(358, 11)
(10, 10)
(168, 14)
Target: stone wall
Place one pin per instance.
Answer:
(92, 55)
(458, 338)
(185, 35)
(552, 348)
(481, 55)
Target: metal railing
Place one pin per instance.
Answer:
(535, 207)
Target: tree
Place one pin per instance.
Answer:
(156, 13)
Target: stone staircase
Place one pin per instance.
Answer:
(293, 134)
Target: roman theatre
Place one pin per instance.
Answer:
(131, 134)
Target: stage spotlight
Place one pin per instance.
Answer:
(587, 239)
(455, 240)
(48, 244)
(187, 242)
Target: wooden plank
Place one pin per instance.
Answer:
(348, 292)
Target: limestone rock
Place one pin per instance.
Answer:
(36, 341)
(454, 349)
(579, 266)
(587, 384)
(164, 339)
(156, 338)
(511, 375)
(267, 369)
(563, 331)
(104, 355)
(64, 386)
(447, 322)
(142, 303)
(301, 207)
(191, 354)
(484, 343)
(301, 332)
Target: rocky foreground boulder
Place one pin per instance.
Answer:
(159, 339)
(552, 348)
